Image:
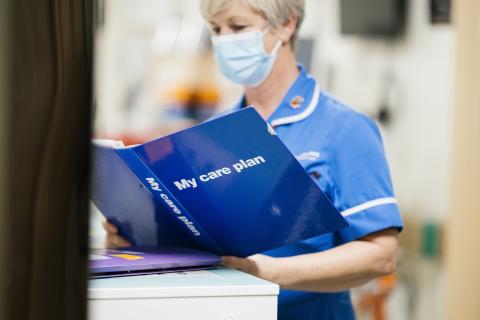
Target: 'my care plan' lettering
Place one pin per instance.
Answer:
(238, 167)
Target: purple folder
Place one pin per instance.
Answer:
(146, 260)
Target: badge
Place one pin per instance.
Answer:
(296, 102)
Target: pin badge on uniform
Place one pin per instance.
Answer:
(296, 102)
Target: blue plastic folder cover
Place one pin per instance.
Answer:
(228, 186)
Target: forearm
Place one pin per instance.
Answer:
(336, 269)
(340, 268)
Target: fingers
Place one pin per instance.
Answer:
(233, 262)
(243, 264)
(109, 228)
(113, 241)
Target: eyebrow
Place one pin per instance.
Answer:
(232, 19)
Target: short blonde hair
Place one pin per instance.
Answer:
(275, 11)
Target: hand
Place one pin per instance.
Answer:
(258, 265)
(112, 239)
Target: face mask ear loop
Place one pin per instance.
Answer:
(276, 47)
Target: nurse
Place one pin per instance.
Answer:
(341, 149)
(253, 41)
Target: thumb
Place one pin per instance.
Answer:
(109, 227)
(242, 264)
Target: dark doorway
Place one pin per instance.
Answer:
(48, 98)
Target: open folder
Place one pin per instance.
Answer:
(228, 186)
(105, 263)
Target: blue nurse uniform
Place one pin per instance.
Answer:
(343, 152)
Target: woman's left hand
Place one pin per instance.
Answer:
(340, 268)
(258, 265)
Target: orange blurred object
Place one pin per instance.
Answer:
(375, 301)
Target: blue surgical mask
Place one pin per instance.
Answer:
(242, 57)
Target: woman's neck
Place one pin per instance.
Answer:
(267, 96)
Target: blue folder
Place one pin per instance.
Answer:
(228, 186)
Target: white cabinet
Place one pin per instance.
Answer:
(223, 294)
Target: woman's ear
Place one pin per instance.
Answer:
(288, 28)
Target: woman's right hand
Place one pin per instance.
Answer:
(113, 240)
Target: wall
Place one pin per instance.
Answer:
(418, 140)
(135, 36)
(421, 63)
(463, 260)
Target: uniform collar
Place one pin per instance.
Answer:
(304, 90)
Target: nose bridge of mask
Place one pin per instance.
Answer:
(246, 36)
(235, 37)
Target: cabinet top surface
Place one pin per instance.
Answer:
(215, 282)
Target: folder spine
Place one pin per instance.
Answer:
(168, 200)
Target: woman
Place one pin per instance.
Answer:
(340, 148)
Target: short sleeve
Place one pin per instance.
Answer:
(361, 183)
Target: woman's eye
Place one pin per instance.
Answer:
(216, 30)
(238, 27)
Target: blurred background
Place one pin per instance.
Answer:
(391, 59)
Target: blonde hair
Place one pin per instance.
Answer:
(275, 12)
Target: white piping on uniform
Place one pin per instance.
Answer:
(368, 205)
(298, 117)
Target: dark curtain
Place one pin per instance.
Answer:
(49, 107)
